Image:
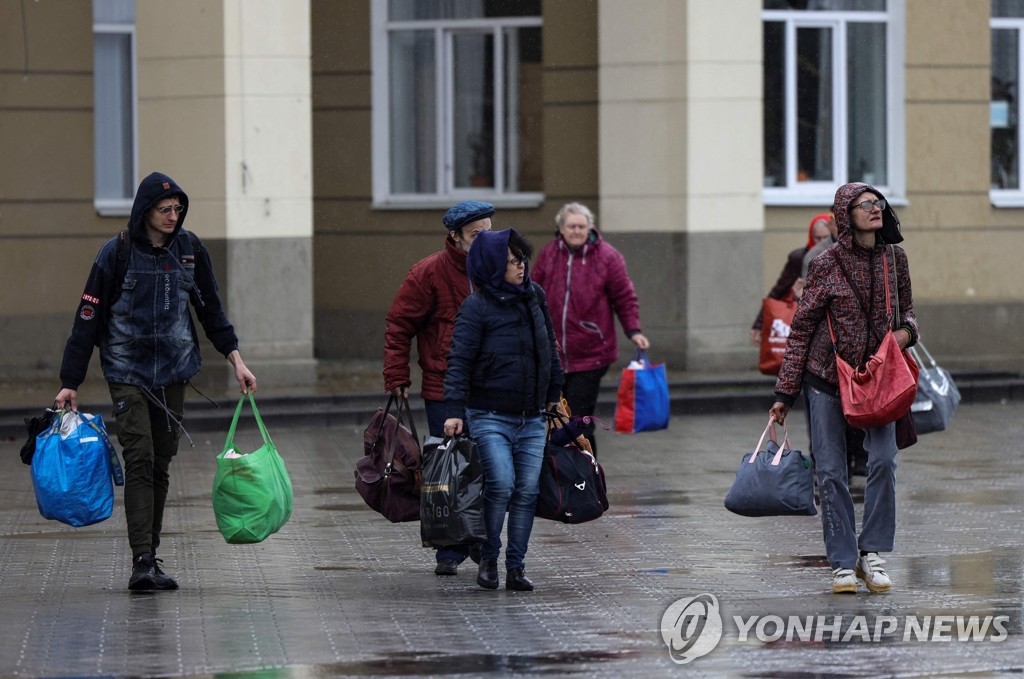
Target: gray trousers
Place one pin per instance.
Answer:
(838, 521)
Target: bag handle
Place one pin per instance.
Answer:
(553, 415)
(786, 445)
(256, 413)
(919, 349)
(640, 356)
(557, 420)
(115, 462)
(390, 463)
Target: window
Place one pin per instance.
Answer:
(114, 104)
(1004, 112)
(832, 98)
(457, 101)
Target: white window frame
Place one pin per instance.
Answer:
(1011, 197)
(822, 193)
(114, 206)
(444, 32)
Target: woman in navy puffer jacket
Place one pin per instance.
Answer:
(503, 371)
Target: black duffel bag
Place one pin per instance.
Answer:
(572, 484)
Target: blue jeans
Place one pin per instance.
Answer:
(435, 426)
(839, 524)
(511, 452)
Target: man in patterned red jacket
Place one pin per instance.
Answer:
(425, 308)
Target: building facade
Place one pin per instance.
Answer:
(321, 141)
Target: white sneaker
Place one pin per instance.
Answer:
(843, 581)
(871, 569)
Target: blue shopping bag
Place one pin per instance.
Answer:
(642, 403)
(74, 470)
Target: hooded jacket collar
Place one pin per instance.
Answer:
(488, 259)
(845, 195)
(593, 239)
(154, 188)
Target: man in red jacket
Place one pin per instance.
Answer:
(425, 308)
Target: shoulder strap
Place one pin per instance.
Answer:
(121, 261)
(896, 287)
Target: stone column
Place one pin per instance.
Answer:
(225, 109)
(680, 170)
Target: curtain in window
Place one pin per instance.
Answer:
(114, 99)
(1004, 108)
(867, 104)
(413, 112)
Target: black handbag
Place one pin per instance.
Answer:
(572, 484)
(451, 493)
(937, 395)
(773, 481)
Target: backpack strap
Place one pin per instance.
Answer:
(121, 261)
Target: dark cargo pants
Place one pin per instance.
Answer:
(149, 439)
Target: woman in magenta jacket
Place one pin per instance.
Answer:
(587, 286)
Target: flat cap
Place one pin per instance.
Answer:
(464, 212)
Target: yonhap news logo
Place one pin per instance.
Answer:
(692, 627)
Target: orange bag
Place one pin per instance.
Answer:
(777, 317)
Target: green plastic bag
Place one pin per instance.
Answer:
(252, 493)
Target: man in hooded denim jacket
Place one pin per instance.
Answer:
(137, 313)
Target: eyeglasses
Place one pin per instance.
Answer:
(869, 205)
(517, 262)
(166, 209)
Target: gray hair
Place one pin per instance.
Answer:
(577, 208)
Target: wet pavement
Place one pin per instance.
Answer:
(340, 592)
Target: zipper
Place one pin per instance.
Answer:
(565, 312)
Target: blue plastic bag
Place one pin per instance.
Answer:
(74, 470)
(642, 403)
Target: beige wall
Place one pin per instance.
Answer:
(645, 118)
(225, 108)
(362, 254)
(680, 146)
(49, 231)
(964, 253)
(193, 100)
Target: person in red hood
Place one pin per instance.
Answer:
(587, 286)
(791, 280)
(846, 284)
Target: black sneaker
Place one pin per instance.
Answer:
(147, 575)
(143, 574)
(163, 581)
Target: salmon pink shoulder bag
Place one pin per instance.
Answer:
(882, 389)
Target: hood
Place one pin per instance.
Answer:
(845, 197)
(823, 217)
(151, 191)
(488, 259)
(593, 238)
